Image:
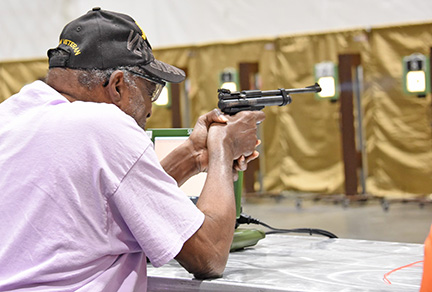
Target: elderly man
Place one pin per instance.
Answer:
(84, 200)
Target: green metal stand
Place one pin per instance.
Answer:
(246, 237)
(243, 237)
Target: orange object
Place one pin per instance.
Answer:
(426, 285)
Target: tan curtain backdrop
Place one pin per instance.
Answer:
(15, 74)
(307, 139)
(301, 148)
(399, 125)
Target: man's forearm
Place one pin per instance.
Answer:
(206, 253)
(180, 163)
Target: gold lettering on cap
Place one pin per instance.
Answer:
(71, 44)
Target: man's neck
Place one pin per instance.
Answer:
(65, 82)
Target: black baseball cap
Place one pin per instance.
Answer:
(103, 39)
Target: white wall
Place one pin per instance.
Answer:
(29, 27)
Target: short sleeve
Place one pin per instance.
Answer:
(159, 215)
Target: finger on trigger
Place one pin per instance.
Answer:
(220, 116)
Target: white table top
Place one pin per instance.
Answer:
(305, 263)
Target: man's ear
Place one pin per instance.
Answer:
(117, 89)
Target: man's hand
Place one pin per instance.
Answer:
(241, 163)
(200, 133)
(192, 157)
(199, 136)
(240, 135)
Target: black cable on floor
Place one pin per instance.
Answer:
(246, 219)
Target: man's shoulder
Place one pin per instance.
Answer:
(97, 112)
(100, 120)
(94, 114)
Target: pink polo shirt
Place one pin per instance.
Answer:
(83, 197)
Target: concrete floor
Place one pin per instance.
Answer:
(401, 222)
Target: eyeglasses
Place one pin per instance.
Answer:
(159, 84)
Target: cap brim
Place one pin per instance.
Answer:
(165, 71)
